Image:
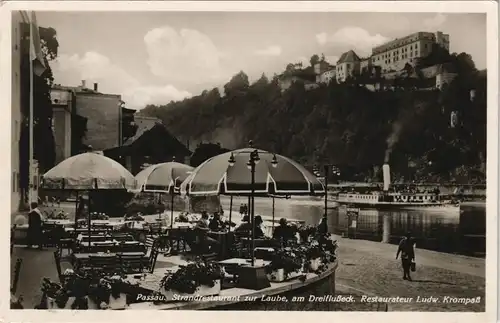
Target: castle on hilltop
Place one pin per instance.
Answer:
(387, 61)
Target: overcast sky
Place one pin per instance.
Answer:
(156, 57)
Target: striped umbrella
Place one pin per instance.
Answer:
(88, 172)
(163, 178)
(229, 174)
(216, 176)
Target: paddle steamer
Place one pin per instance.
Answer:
(396, 200)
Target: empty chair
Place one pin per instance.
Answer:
(106, 263)
(122, 237)
(132, 262)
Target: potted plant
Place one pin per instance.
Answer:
(285, 264)
(106, 293)
(98, 216)
(313, 256)
(70, 294)
(306, 232)
(195, 279)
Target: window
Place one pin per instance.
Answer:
(14, 181)
(16, 39)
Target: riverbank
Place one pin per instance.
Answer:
(370, 268)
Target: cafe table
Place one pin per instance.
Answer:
(259, 242)
(82, 258)
(60, 222)
(76, 231)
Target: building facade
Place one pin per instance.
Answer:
(18, 18)
(443, 78)
(394, 55)
(347, 65)
(62, 108)
(327, 76)
(103, 113)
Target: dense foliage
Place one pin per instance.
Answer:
(188, 278)
(349, 125)
(44, 144)
(43, 135)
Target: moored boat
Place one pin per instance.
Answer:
(397, 200)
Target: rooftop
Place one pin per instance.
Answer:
(143, 124)
(348, 57)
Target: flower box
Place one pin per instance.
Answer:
(52, 304)
(117, 303)
(199, 278)
(278, 275)
(202, 290)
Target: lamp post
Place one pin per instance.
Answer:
(252, 162)
(326, 171)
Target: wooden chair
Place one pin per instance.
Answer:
(17, 272)
(152, 258)
(208, 257)
(150, 242)
(101, 247)
(155, 228)
(66, 244)
(57, 260)
(240, 248)
(107, 264)
(133, 262)
(122, 237)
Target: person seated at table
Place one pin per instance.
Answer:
(183, 218)
(284, 233)
(245, 225)
(201, 229)
(216, 223)
(258, 230)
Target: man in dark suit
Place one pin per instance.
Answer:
(407, 254)
(35, 226)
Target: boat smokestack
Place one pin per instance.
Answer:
(387, 176)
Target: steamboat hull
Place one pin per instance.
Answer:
(402, 206)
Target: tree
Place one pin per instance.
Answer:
(345, 124)
(44, 143)
(238, 84)
(314, 60)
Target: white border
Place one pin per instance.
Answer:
(488, 7)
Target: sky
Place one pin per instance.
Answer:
(157, 57)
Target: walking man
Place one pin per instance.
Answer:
(35, 226)
(407, 255)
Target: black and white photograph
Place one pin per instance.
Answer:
(252, 160)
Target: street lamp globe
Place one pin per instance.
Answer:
(256, 157)
(274, 161)
(231, 160)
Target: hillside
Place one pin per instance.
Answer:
(348, 125)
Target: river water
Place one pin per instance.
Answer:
(459, 232)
